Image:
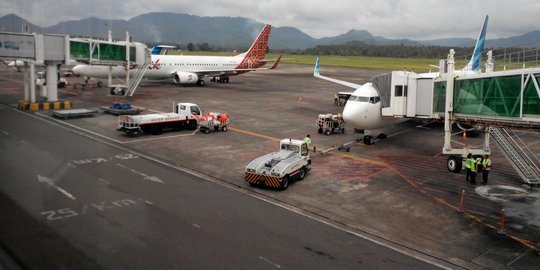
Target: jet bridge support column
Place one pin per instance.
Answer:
(52, 82)
(26, 82)
(32, 82)
(449, 107)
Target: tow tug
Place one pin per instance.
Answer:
(213, 121)
(330, 123)
(279, 169)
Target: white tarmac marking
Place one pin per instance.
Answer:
(146, 177)
(43, 179)
(104, 181)
(76, 127)
(159, 138)
(5, 132)
(196, 226)
(270, 262)
(518, 257)
(393, 246)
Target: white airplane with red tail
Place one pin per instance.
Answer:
(189, 69)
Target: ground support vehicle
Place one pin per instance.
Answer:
(121, 108)
(213, 121)
(184, 117)
(279, 169)
(330, 123)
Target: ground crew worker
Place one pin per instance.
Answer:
(468, 167)
(85, 82)
(307, 139)
(474, 169)
(486, 164)
(336, 99)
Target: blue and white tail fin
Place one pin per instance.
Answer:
(474, 63)
(158, 49)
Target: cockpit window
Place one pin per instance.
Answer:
(363, 99)
(374, 100)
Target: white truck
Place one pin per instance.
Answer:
(184, 117)
(278, 169)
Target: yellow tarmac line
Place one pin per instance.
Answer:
(254, 134)
(375, 162)
(372, 161)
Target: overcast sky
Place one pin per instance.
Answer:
(414, 19)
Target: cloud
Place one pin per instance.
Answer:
(414, 19)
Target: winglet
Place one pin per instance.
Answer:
(317, 70)
(276, 63)
(474, 64)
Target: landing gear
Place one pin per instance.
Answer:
(368, 139)
(117, 90)
(220, 79)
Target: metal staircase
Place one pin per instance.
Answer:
(136, 79)
(520, 156)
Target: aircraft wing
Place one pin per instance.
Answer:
(317, 74)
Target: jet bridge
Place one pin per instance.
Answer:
(492, 100)
(54, 50)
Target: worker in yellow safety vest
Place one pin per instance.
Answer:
(307, 139)
(474, 170)
(468, 166)
(486, 164)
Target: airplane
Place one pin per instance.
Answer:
(363, 110)
(15, 64)
(184, 69)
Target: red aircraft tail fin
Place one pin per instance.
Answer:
(257, 51)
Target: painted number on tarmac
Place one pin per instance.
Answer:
(101, 206)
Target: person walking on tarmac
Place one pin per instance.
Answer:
(486, 164)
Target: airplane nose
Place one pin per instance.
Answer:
(352, 114)
(77, 69)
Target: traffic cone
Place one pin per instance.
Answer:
(464, 136)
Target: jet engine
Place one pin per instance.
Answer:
(181, 77)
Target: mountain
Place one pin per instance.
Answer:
(231, 32)
(528, 40)
(450, 42)
(365, 37)
(14, 23)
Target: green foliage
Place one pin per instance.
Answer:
(361, 62)
(364, 62)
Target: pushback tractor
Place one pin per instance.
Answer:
(279, 169)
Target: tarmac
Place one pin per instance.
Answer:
(397, 190)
